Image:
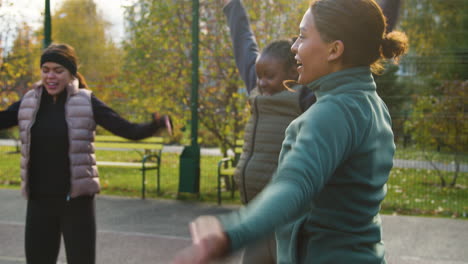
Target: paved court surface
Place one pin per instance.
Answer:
(151, 231)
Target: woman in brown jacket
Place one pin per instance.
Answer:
(57, 121)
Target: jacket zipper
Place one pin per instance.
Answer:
(249, 157)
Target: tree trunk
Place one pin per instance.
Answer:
(457, 171)
(443, 183)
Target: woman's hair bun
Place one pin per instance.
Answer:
(394, 44)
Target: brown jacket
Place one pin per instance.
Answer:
(263, 136)
(81, 131)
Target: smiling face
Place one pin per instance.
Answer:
(55, 78)
(270, 74)
(313, 55)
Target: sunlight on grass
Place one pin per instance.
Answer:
(410, 191)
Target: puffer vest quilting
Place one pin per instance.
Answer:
(263, 136)
(81, 131)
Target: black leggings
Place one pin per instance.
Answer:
(47, 219)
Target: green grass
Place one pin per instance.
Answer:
(418, 192)
(127, 181)
(123, 181)
(414, 153)
(410, 191)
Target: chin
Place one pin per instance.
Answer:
(54, 92)
(302, 81)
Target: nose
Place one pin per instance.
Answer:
(50, 74)
(294, 46)
(261, 83)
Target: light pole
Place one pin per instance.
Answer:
(47, 25)
(189, 171)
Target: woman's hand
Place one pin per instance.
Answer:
(163, 121)
(168, 124)
(209, 242)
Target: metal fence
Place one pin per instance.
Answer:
(414, 186)
(428, 188)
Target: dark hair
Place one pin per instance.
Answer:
(360, 25)
(64, 55)
(281, 50)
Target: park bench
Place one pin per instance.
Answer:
(150, 150)
(226, 168)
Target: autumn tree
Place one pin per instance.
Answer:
(438, 38)
(441, 121)
(158, 60)
(17, 58)
(20, 66)
(158, 67)
(439, 70)
(19, 69)
(80, 24)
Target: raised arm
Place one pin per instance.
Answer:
(243, 41)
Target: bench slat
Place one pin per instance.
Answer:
(128, 145)
(229, 171)
(124, 164)
(102, 138)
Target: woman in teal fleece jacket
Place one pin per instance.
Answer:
(323, 201)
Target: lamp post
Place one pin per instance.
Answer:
(189, 171)
(195, 73)
(47, 25)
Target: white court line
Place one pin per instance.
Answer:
(123, 233)
(11, 223)
(16, 259)
(22, 260)
(415, 258)
(143, 235)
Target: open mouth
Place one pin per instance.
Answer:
(299, 63)
(52, 85)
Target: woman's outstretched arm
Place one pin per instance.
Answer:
(113, 122)
(9, 117)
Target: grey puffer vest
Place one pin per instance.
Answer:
(263, 136)
(81, 131)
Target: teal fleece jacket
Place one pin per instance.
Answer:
(323, 201)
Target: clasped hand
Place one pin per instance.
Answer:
(209, 242)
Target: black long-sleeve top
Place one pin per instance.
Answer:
(103, 116)
(49, 161)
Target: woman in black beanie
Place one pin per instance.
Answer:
(57, 121)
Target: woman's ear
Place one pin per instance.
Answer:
(335, 51)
